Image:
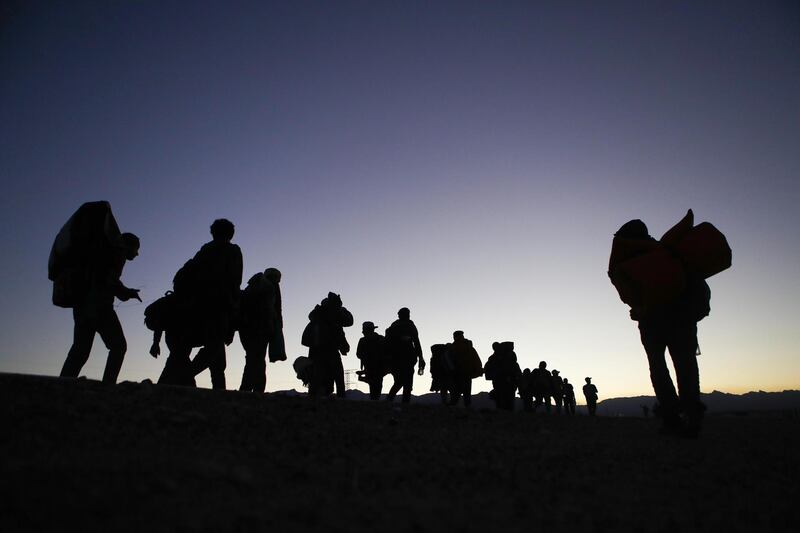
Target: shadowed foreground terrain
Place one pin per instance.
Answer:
(78, 455)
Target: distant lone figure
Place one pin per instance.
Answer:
(590, 393)
(86, 265)
(405, 351)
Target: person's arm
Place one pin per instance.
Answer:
(155, 349)
(119, 290)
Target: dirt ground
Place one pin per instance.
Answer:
(76, 455)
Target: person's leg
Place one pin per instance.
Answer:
(216, 364)
(396, 386)
(408, 383)
(82, 340)
(258, 381)
(338, 370)
(110, 331)
(654, 343)
(467, 392)
(557, 400)
(683, 349)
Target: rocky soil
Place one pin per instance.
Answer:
(76, 455)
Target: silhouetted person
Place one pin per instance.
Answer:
(371, 351)
(405, 350)
(504, 372)
(590, 393)
(180, 320)
(526, 390)
(542, 386)
(569, 397)
(260, 327)
(467, 366)
(671, 325)
(93, 309)
(557, 386)
(441, 371)
(218, 271)
(326, 341)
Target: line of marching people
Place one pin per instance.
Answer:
(662, 280)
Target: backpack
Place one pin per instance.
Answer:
(186, 281)
(160, 315)
(700, 298)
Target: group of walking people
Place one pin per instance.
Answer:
(663, 282)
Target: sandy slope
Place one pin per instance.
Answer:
(147, 458)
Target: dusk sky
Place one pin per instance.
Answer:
(468, 160)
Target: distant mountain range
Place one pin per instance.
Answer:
(717, 402)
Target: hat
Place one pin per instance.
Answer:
(369, 325)
(554, 372)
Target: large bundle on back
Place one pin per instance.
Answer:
(649, 273)
(88, 236)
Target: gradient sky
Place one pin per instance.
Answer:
(468, 160)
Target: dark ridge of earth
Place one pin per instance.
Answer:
(77, 455)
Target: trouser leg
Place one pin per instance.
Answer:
(82, 340)
(338, 370)
(654, 345)
(467, 388)
(113, 337)
(408, 384)
(682, 349)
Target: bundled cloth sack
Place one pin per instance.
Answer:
(649, 273)
(86, 238)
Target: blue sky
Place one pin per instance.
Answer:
(468, 160)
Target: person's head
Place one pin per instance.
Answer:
(555, 372)
(526, 372)
(367, 328)
(542, 365)
(588, 380)
(273, 274)
(566, 381)
(130, 243)
(458, 335)
(404, 313)
(495, 346)
(633, 229)
(222, 230)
